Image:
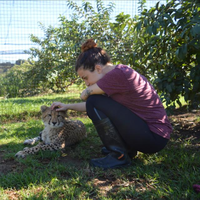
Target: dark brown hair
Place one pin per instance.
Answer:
(91, 55)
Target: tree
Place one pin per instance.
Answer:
(168, 50)
(54, 67)
(55, 59)
(12, 82)
(163, 44)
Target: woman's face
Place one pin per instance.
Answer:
(89, 77)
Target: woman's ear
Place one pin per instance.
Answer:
(98, 68)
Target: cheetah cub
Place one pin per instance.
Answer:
(58, 133)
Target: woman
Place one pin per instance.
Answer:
(123, 106)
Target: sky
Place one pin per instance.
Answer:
(19, 19)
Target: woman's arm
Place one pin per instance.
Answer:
(93, 89)
(64, 107)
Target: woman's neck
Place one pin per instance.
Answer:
(109, 67)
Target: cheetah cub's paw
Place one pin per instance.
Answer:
(20, 154)
(31, 141)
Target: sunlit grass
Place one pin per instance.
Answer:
(20, 108)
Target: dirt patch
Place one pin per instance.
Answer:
(8, 165)
(187, 126)
(68, 160)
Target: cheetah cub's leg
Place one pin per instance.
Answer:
(32, 141)
(41, 146)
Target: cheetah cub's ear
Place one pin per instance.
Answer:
(43, 108)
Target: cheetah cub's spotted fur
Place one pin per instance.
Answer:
(58, 133)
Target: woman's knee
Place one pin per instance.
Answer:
(91, 105)
(90, 101)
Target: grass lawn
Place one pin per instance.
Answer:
(169, 174)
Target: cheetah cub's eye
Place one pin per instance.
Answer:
(49, 115)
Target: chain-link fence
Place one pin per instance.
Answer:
(23, 24)
(19, 19)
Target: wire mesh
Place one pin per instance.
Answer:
(20, 19)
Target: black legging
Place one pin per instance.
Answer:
(134, 131)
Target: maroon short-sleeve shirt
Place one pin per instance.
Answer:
(131, 89)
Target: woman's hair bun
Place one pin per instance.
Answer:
(88, 45)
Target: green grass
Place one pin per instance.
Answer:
(168, 174)
(23, 108)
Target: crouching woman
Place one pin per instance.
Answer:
(123, 106)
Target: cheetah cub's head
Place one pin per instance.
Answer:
(52, 118)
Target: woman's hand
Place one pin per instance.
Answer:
(64, 107)
(59, 106)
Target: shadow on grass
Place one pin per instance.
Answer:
(169, 173)
(12, 169)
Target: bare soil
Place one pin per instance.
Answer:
(8, 165)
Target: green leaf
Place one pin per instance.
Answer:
(157, 5)
(198, 58)
(149, 30)
(145, 22)
(138, 26)
(195, 30)
(155, 27)
(169, 88)
(181, 52)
